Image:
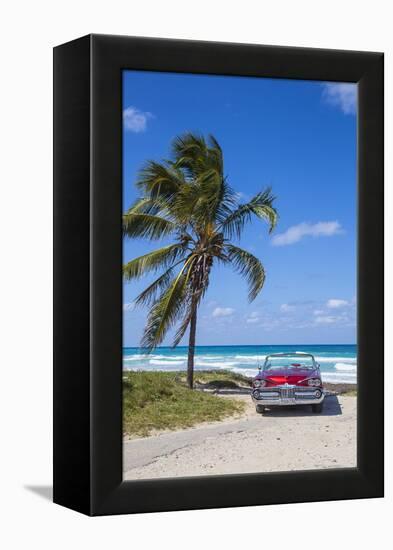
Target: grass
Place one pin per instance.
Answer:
(162, 400)
(221, 379)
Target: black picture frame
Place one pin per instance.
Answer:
(88, 279)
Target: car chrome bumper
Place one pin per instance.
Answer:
(287, 395)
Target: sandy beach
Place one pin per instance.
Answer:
(285, 439)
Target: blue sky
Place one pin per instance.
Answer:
(298, 137)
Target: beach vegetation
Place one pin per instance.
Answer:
(163, 401)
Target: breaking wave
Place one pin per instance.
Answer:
(345, 367)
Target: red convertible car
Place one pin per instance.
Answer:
(288, 379)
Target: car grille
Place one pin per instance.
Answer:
(304, 395)
(287, 393)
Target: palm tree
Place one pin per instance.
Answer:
(188, 199)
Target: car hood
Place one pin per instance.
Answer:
(287, 375)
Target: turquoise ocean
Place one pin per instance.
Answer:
(337, 362)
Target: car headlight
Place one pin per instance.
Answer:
(256, 394)
(318, 394)
(314, 382)
(259, 383)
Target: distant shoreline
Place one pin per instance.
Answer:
(338, 362)
(334, 387)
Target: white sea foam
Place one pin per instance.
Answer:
(215, 364)
(161, 362)
(246, 372)
(136, 357)
(169, 358)
(251, 357)
(319, 359)
(350, 360)
(336, 375)
(175, 357)
(165, 357)
(345, 367)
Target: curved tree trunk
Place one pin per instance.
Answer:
(191, 350)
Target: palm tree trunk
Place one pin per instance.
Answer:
(191, 350)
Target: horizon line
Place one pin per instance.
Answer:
(237, 345)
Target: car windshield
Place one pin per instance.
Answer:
(289, 361)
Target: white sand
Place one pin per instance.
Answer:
(282, 440)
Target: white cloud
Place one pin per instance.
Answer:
(253, 317)
(135, 120)
(128, 307)
(269, 324)
(223, 312)
(341, 95)
(252, 320)
(326, 319)
(318, 312)
(335, 304)
(287, 307)
(295, 233)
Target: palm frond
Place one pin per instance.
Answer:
(209, 191)
(249, 266)
(149, 205)
(189, 145)
(138, 224)
(215, 154)
(158, 259)
(149, 295)
(191, 154)
(160, 179)
(166, 310)
(183, 205)
(184, 325)
(221, 199)
(261, 206)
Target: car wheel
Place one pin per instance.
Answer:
(317, 408)
(261, 409)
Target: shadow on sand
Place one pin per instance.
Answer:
(331, 407)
